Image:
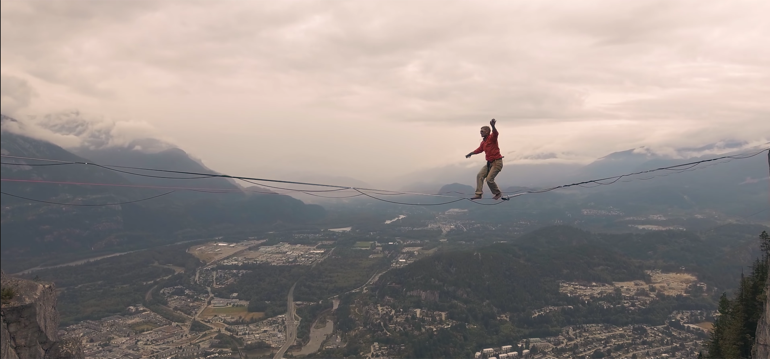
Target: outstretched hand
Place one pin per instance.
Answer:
(468, 155)
(493, 122)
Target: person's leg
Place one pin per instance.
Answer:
(480, 181)
(497, 166)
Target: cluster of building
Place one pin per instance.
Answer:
(183, 300)
(654, 227)
(315, 236)
(590, 291)
(601, 212)
(214, 251)
(271, 331)
(213, 277)
(695, 320)
(636, 294)
(604, 340)
(378, 350)
(681, 337)
(279, 254)
(145, 334)
(407, 256)
(390, 320)
(224, 277)
(504, 352)
(228, 302)
(138, 335)
(652, 217)
(674, 283)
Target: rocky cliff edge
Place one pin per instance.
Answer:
(762, 342)
(30, 322)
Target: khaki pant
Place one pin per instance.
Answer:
(489, 171)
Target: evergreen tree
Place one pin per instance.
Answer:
(733, 332)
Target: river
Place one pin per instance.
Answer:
(317, 337)
(395, 219)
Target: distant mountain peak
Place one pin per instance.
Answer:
(642, 152)
(650, 152)
(4, 118)
(150, 145)
(10, 124)
(256, 190)
(456, 188)
(73, 128)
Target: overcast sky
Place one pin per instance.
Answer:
(379, 89)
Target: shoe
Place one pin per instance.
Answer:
(497, 196)
(478, 196)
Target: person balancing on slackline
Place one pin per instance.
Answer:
(494, 161)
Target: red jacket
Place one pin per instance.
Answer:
(489, 147)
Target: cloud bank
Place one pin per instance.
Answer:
(373, 89)
(73, 129)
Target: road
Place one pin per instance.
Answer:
(148, 296)
(94, 259)
(205, 304)
(291, 328)
(324, 258)
(200, 311)
(374, 278)
(177, 270)
(371, 280)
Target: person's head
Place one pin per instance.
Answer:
(485, 131)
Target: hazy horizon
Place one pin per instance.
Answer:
(381, 91)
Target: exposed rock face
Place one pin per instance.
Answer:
(30, 323)
(6, 352)
(762, 344)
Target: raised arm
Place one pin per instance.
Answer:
(492, 123)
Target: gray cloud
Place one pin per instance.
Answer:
(72, 129)
(95, 131)
(399, 87)
(15, 94)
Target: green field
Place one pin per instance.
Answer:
(142, 327)
(224, 310)
(363, 244)
(231, 311)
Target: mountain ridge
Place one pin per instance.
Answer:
(79, 220)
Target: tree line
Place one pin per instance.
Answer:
(734, 330)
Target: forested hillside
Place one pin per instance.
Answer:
(734, 330)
